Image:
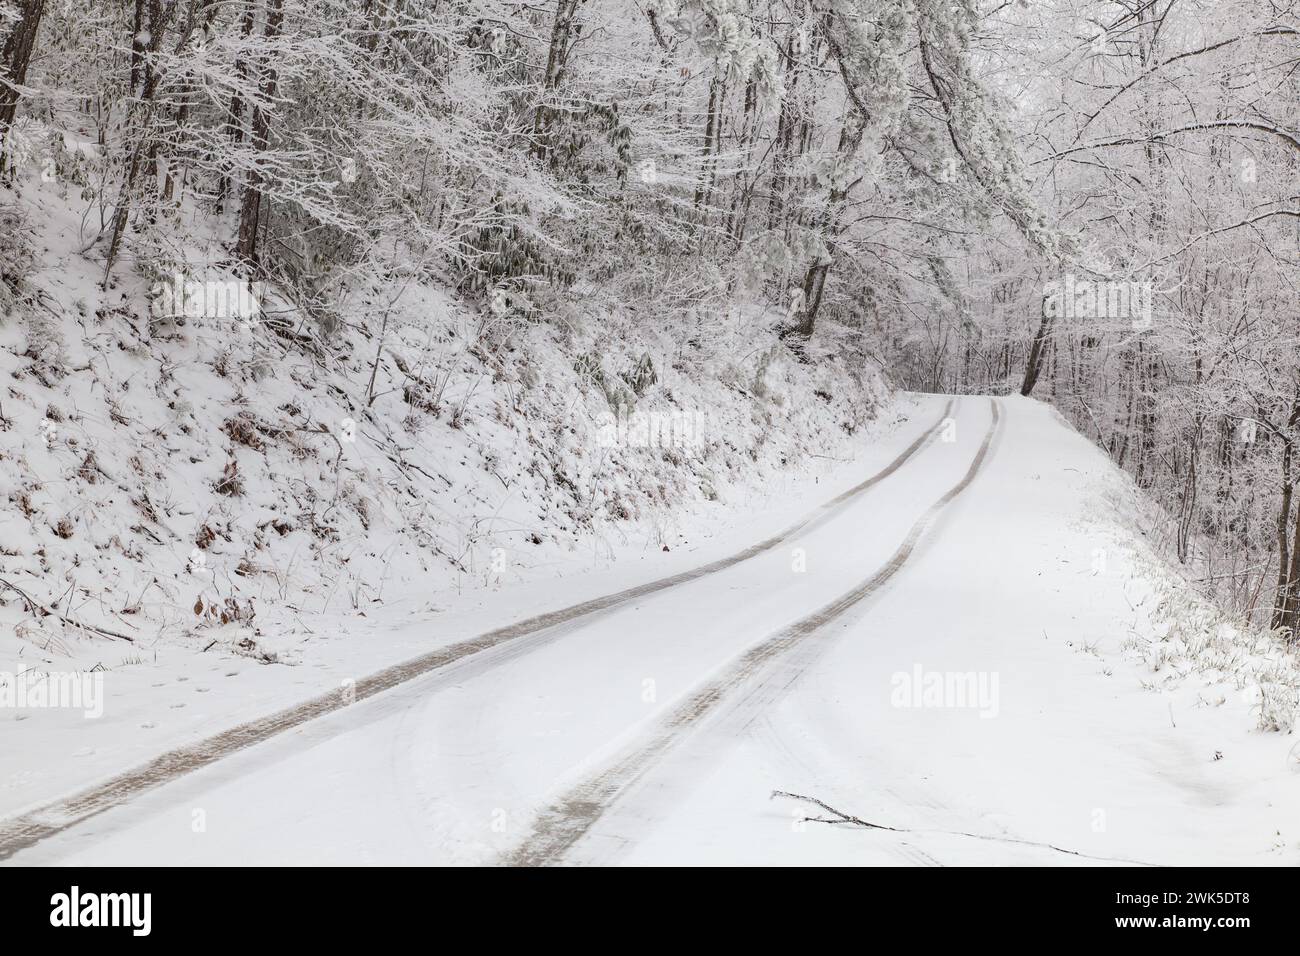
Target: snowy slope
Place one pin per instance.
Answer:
(218, 517)
(151, 466)
(1096, 731)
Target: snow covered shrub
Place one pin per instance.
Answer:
(587, 365)
(589, 368)
(159, 270)
(759, 386)
(641, 375)
(17, 257)
(417, 394)
(243, 429)
(231, 483)
(28, 146)
(224, 611)
(502, 251)
(1278, 706)
(44, 339)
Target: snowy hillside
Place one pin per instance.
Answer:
(197, 480)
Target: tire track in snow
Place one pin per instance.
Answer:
(31, 827)
(562, 824)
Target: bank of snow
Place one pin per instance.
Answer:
(193, 503)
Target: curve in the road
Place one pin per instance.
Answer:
(562, 824)
(33, 826)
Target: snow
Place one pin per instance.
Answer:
(430, 442)
(1087, 757)
(494, 501)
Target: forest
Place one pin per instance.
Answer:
(1091, 202)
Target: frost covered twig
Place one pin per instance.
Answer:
(33, 606)
(840, 817)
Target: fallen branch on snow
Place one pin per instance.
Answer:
(838, 817)
(33, 606)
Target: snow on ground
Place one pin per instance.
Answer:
(174, 695)
(222, 494)
(1082, 750)
(1067, 751)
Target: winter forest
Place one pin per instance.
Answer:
(319, 314)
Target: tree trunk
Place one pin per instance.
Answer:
(814, 282)
(148, 24)
(712, 123)
(1288, 565)
(1034, 365)
(17, 53)
(250, 211)
(557, 59)
(235, 113)
(207, 13)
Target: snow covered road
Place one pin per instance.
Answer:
(909, 655)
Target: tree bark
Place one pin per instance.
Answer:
(557, 59)
(17, 54)
(814, 282)
(1034, 365)
(250, 211)
(1288, 565)
(149, 23)
(235, 113)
